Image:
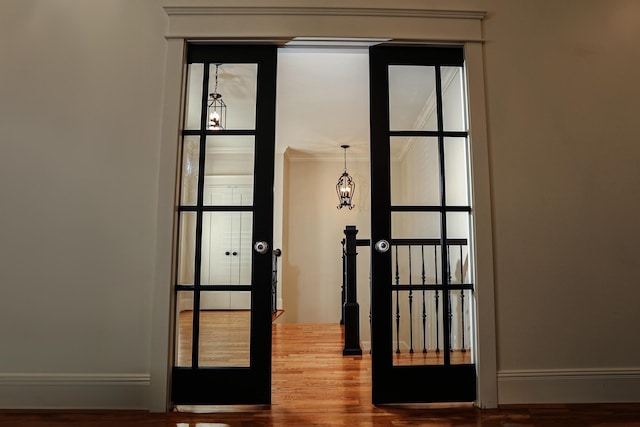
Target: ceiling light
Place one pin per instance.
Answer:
(345, 187)
(216, 108)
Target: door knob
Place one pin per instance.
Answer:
(382, 246)
(261, 247)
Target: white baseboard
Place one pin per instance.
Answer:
(74, 391)
(130, 391)
(569, 386)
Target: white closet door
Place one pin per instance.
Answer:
(226, 248)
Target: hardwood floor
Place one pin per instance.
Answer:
(225, 334)
(405, 358)
(314, 385)
(224, 338)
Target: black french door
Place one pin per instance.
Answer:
(422, 285)
(225, 227)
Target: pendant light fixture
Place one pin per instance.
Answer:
(216, 108)
(345, 187)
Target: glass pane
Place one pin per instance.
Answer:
(186, 248)
(226, 248)
(461, 350)
(415, 171)
(417, 328)
(458, 225)
(415, 225)
(412, 99)
(237, 83)
(456, 161)
(225, 329)
(454, 109)
(460, 272)
(229, 163)
(184, 328)
(190, 167)
(193, 105)
(417, 312)
(418, 318)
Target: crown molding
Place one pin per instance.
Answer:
(302, 156)
(324, 11)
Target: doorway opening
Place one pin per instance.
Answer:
(322, 104)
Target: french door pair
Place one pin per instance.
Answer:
(420, 216)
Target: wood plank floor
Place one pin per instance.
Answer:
(224, 338)
(225, 335)
(313, 385)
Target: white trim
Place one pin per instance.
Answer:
(17, 379)
(482, 234)
(281, 24)
(324, 11)
(72, 390)
(163, 299)
(569, 385)
(333, 43)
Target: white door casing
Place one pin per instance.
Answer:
(279, 22)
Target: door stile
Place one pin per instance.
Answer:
(381, 306)
(444, 257)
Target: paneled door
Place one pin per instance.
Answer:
(225, 227)
(422, 282)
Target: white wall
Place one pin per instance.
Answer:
(562, 104)
(311, 259)
(81, 90)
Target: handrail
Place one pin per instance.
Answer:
(407, 242)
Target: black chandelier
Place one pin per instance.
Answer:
(216, 108)
(345, 186)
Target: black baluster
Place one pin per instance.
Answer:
(462, 299)
(435, 260)
(410, 305)
(397, 304)
(424, 304)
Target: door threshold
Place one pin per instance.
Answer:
(212, 409)
(427, 405)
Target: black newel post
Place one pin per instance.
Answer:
(351, 307)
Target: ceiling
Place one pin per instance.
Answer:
(323, 102)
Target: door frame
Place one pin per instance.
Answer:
(277, 22)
